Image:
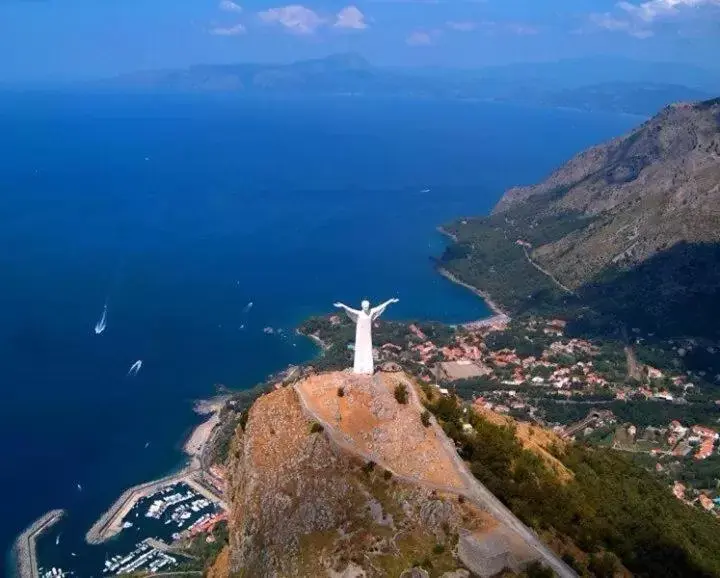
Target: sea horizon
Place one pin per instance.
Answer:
(178, 213)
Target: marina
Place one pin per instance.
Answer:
(163, 494)
(54, 573)
(148, 532)
(139, 531)
(143, 557)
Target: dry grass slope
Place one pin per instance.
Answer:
(375, 425)
(301, 506)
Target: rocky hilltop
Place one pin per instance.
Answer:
(630, 224)
(342, 476)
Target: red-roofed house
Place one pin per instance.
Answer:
(705, 450)
(416, 331)
(679, 491)
(704, 431)
(706, 502)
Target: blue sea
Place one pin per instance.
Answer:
(177, 211)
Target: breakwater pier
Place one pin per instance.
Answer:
(25, 544)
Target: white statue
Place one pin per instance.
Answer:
(363, 333)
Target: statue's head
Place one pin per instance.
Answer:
(365, 305)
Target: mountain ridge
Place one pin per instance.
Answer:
(629, 228)
(660, 184)
(633, 88)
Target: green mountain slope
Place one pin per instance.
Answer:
(629, 228)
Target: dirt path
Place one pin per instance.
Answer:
(547, 273)
(634, 369)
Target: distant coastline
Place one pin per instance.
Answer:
(484, 295)
(479, 292)
(440, 229)
(319, 342)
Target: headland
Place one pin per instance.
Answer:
(494, 307)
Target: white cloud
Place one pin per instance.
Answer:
(653, 9)
(638, 19)
(462, 26)
(351, 17)
(607, 21)
(229, 31)
(295, 18)
(422, 38)
(230, 6)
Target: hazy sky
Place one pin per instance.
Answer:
(61, 39)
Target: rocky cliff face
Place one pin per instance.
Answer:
(303, 504)
(642, 194)
(303, 508)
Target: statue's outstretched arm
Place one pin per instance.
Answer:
(376, 312)
(351, 313)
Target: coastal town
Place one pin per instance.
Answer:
(598, 392)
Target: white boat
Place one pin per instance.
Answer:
(57, 540)
(135, 367)
(102, 323)
(248, 307)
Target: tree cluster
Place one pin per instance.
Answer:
(611, 505)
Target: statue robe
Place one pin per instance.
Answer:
(363, 362)
(363, 344)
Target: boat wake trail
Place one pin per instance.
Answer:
(102, 322)
(135, 368)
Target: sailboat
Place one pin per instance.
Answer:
(102, 323)
(135, 367)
